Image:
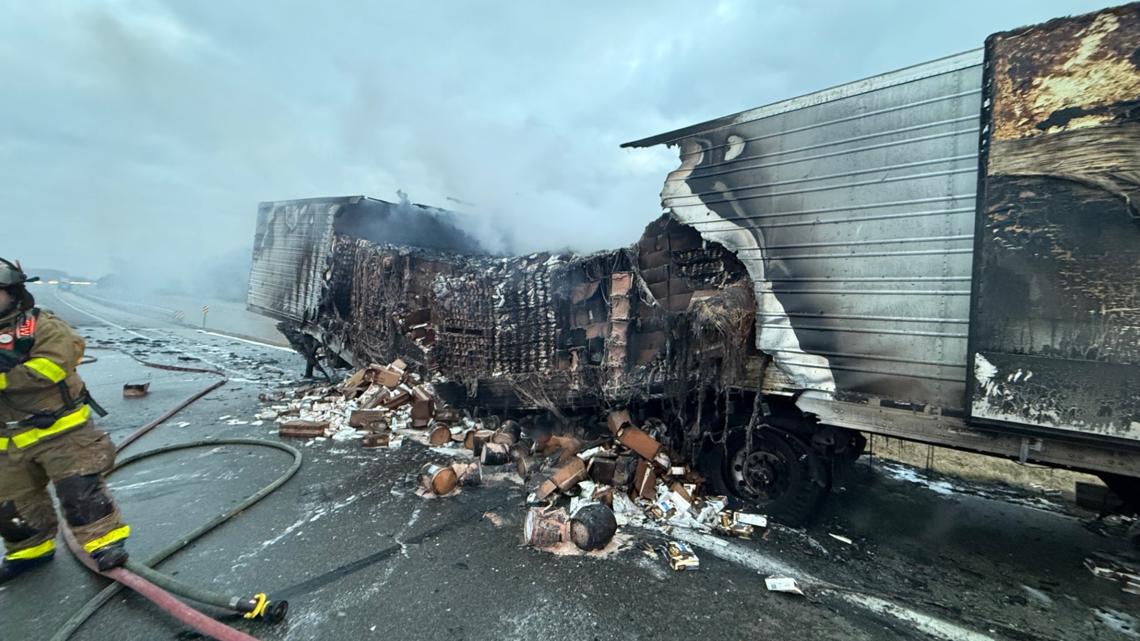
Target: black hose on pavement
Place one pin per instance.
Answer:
(171, 584)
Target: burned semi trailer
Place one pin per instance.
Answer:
(947, 254)
(664, 327)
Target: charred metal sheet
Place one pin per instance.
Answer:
(290, 253)
(533, 332)
(293, 245)
(1055, 331)
(852, 211)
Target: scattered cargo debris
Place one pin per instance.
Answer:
(545, 527)
(585, 483)
(783, 584)
(495, 454)
(1121, 569)
(440, 435)
(592, 526)
(136, 390)
(439, 480)
(301, 428)
(377, 439)
(563, 478)
(469, 474)
(681, 556)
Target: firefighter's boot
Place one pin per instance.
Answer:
(12, 568)
(110, 556)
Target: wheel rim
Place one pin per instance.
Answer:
(763, 474)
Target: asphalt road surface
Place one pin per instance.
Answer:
(360, 556)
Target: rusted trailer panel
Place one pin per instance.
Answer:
(1055, 328)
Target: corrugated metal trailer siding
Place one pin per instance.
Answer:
(291, 250)
(853, 210)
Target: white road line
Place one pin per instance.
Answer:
(766, 565)
(246, 340)
(101, 319)
(929, 625)
(216, 366)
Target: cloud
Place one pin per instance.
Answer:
(140, 135)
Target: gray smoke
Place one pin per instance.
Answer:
(138, 136)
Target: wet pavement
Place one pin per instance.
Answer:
(360, 556)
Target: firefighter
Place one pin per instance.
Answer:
(47, 434)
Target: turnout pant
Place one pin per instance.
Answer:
(75, 462)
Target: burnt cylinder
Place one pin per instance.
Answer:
(512, 428)
(470, 474)
(495, 454)
(503, 438)
(593, 526)
(545, 528)
(478, 439)
(440, 435)
(438, 479)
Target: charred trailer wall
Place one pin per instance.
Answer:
(553, 332)
(291, 251)
(1055, 326)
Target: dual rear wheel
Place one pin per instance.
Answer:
(774, 472)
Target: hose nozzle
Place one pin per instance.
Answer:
(260, 607)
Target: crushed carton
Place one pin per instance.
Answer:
(681, 557)
(783, 584)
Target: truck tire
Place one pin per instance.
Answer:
(1127, 488)
(775, 477)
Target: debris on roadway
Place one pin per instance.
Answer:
(136, 390)
(1121, 569)
(583, 486)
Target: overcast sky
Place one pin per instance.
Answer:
(142, 134)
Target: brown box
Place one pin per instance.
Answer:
(640, 442)
(299, 428)
(619, 309)
(362, 419)
(135, 390)
(621, 283)
(680, 489)
(387, 376)
(601, 469)
(398, 398)
(352, 384)
(563, 478)
(447, 415)
(619, 332)
(423, 407)
(617, 420)
(377, 439)
(624, 468)
(644, 481)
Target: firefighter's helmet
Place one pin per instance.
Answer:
(11, 275)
